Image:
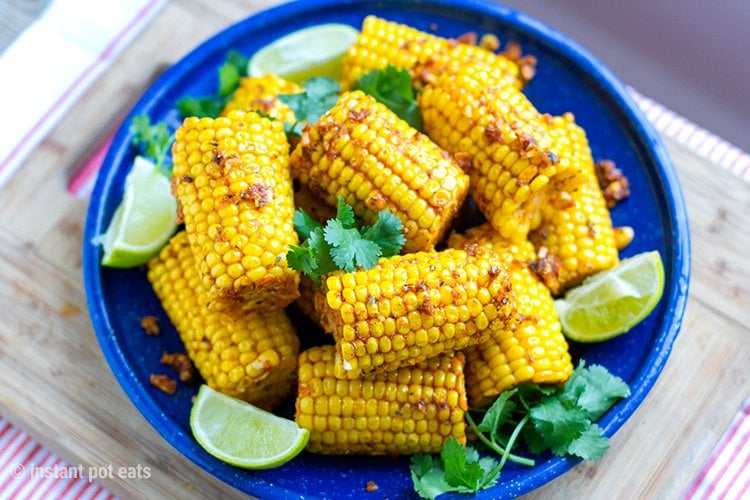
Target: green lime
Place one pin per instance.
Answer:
(243, 435)
(306, 53)
(144, 221)
(612, 302)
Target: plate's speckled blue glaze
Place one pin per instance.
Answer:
(568, 79)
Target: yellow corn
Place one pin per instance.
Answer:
(260, 93)
(533, 349)
(411, 307)
(576, 228)
(382, 42)
(362, 151)
(472, 112)
(411, 410)
(253, 358)
(234, 189)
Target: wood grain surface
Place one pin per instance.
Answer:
(55, 383)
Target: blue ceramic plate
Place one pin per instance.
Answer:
(568, 79)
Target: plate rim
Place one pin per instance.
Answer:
(651, 146)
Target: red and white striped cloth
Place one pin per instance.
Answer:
(30, 471)
(726, 473)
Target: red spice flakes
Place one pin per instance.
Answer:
(179, 363)
(150, 325)
(163, 383)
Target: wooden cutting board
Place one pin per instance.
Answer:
(55, 383)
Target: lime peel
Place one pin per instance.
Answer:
(144, 221)
(243, 435)
(612, 302)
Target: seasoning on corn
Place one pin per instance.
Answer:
(502, 139)
(531, 350)
(576, 227)
(382, 43)
(360, 150)
(411, 307)
(260, 93)
(411, 410)
(253, 358)
(234, 190)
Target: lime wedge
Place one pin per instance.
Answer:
(306, 53)
(243, 435)
(612, 302)
(144, 221)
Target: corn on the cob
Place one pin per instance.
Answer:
(260, 93)
(471, 112)
(411, 410)
(253, 358)
(576, 227)
(531, 350)
(382, 42)
(234, 190)
(362, 151)
(408, 308)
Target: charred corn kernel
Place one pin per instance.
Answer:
(501, 138)
(260, 93)
(232, 183)
(411, 410)
(576, 228)
(533, 349)
(432, 307)
(389, 166)
(253, 358)
(382, 42)
(623, 236)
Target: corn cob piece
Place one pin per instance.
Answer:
(382, 42)
(260, 93)
(411, 410)
(362, 151)
(576, 232)
(408, 308)
(531, 350)
(253, 358)
(503, 141)
(234, 191)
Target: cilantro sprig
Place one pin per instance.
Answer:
(228, 78)
(153, 141)
(393, 87)
(561, 420)
(320, 95)
(341, 244)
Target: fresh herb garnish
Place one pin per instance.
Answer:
(393, 87)
(560, 420)
(229, 75)
(340, 244)
(320, 95)
(153, 141)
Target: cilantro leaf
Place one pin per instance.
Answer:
(348, 248)
(345, 214)
(594, 389)
(154, 140)
(459, 469)
(393, 87)
(304, 224)
(340, 244)
(590, 445)
(557, 424)
(320, 94)
(387, 232)
(229, 75)
(499, 413)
